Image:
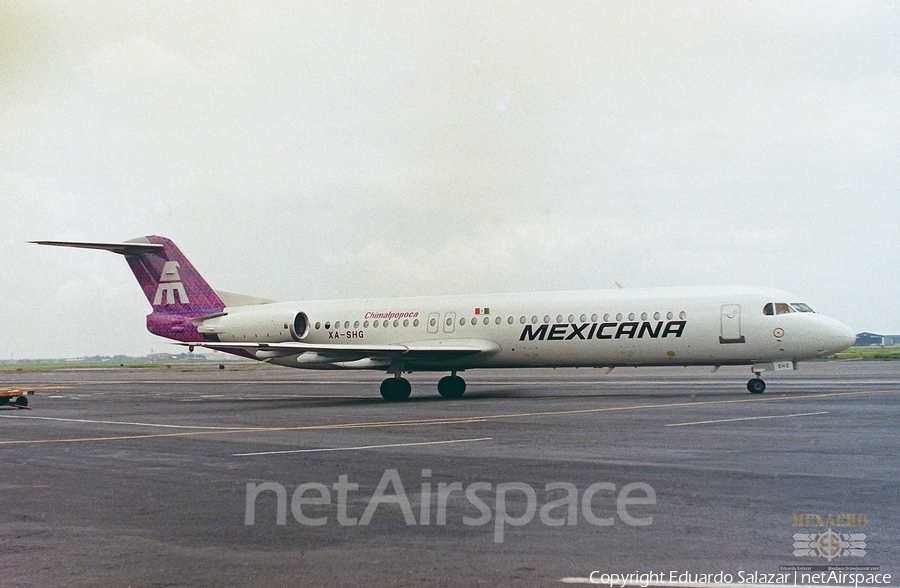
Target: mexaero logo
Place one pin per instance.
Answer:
(626, 330)
(169, 284)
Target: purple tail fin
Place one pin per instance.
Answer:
(173, 287)
(169, 280)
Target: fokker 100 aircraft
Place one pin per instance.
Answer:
(763, 328)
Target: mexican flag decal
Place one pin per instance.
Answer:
(482, 311)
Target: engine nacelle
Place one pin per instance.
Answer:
(262, 326)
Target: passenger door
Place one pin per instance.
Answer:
(730, 320)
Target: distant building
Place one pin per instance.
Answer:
(868, 339)
(874, 339)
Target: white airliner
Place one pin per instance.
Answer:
(763, 328)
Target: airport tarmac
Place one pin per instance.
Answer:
(141, 477)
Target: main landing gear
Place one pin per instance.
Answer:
(397, 388)
(451, 386)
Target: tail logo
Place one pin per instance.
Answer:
(169, 285)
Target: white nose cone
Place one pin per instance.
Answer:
(840, 337)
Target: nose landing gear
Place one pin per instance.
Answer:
(756, 385)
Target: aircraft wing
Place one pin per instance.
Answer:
(424, 351)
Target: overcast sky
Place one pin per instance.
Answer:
(328, 149)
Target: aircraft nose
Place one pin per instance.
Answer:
(841, 337)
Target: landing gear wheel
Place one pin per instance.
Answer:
(756, 386)
(395, 389)
(451, 386)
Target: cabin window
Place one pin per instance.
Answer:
(546, 318)
(449, 321)
(559, 318)
(631, 316)
(415, 322)
(534, 319)
(318, 326)
(594, 318)
(510, 320)
(327, 325)
(487, 321)
(405, 322)
(669, 316)
(462, 321)
(682, 315)
(656, 316)
(619, 316)
(498, 320)
(583, 318)
(521, 320)
(433, 322)
(474, 320)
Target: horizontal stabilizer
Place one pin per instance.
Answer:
(120, 248)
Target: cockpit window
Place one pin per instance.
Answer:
(784, 308)
(801, 307)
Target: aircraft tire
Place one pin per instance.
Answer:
(756, 386)
(395, 389)
(21, 401)
(451, 386)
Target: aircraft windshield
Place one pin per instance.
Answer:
(785, 308)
